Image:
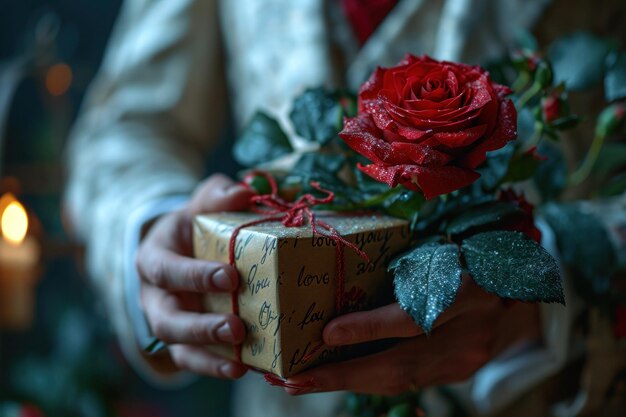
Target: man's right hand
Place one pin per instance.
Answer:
(173, 284)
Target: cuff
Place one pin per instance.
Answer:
(157, 369)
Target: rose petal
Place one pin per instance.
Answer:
(505, 131)
(439, 93)
(421, 155)
(432, 181)
(466, 121)
(461, 138)
(501, 90)
(413, 134)
(378, 113)
(449, 114)
(438, 180)
(387, 174)
(369, 89)
(361, 135)
(418, 104)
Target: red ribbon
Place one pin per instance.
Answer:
(296, 214)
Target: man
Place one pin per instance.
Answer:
(136, 156)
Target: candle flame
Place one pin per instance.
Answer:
(14, 222)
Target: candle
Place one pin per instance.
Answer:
(19, 265)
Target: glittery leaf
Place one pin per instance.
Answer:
(405, 204)
(317, 115)
(512, 265)
(322, 168)
(484, 216)
(426, 281)
(261, 141)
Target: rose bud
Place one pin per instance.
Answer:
(610, 119)
(525, 60)
(551, 108)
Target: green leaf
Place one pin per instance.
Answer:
(611, 158)
(566, 122)
(402, 410)
(259, 183)
(261, 141)
(551, 175)
(317, 115)
(322, 168)
(484, 216)
(610, 120)
(495, 167)
(615, 78)
(426, 281)
(522, 167)
(313, 162)
(616, 186)
(404, 204)
(578, 59)
(583, 242)
(512, 265)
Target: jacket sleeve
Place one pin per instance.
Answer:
(152, 113)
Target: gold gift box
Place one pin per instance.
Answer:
(288, 282)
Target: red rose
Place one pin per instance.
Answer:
(428, 124)
(551, 109)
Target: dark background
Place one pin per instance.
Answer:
(66, 363)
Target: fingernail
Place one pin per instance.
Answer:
(222, 280)
(299, 391)
(299, 388)
(340, 336)
(225, 334)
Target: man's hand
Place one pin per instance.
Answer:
(467, 335)
(173, 283)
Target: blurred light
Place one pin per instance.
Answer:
(14, 221)
(58, 79)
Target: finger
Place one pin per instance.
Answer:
(195, 328)
(388, 373)
(451, 354)
(385, 322)
(472, 297)
(173, 325)
(201, 361)
(166, 269)
(220, 193)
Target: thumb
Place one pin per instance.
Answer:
(219, 193)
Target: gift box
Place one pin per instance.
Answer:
(289, 284)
